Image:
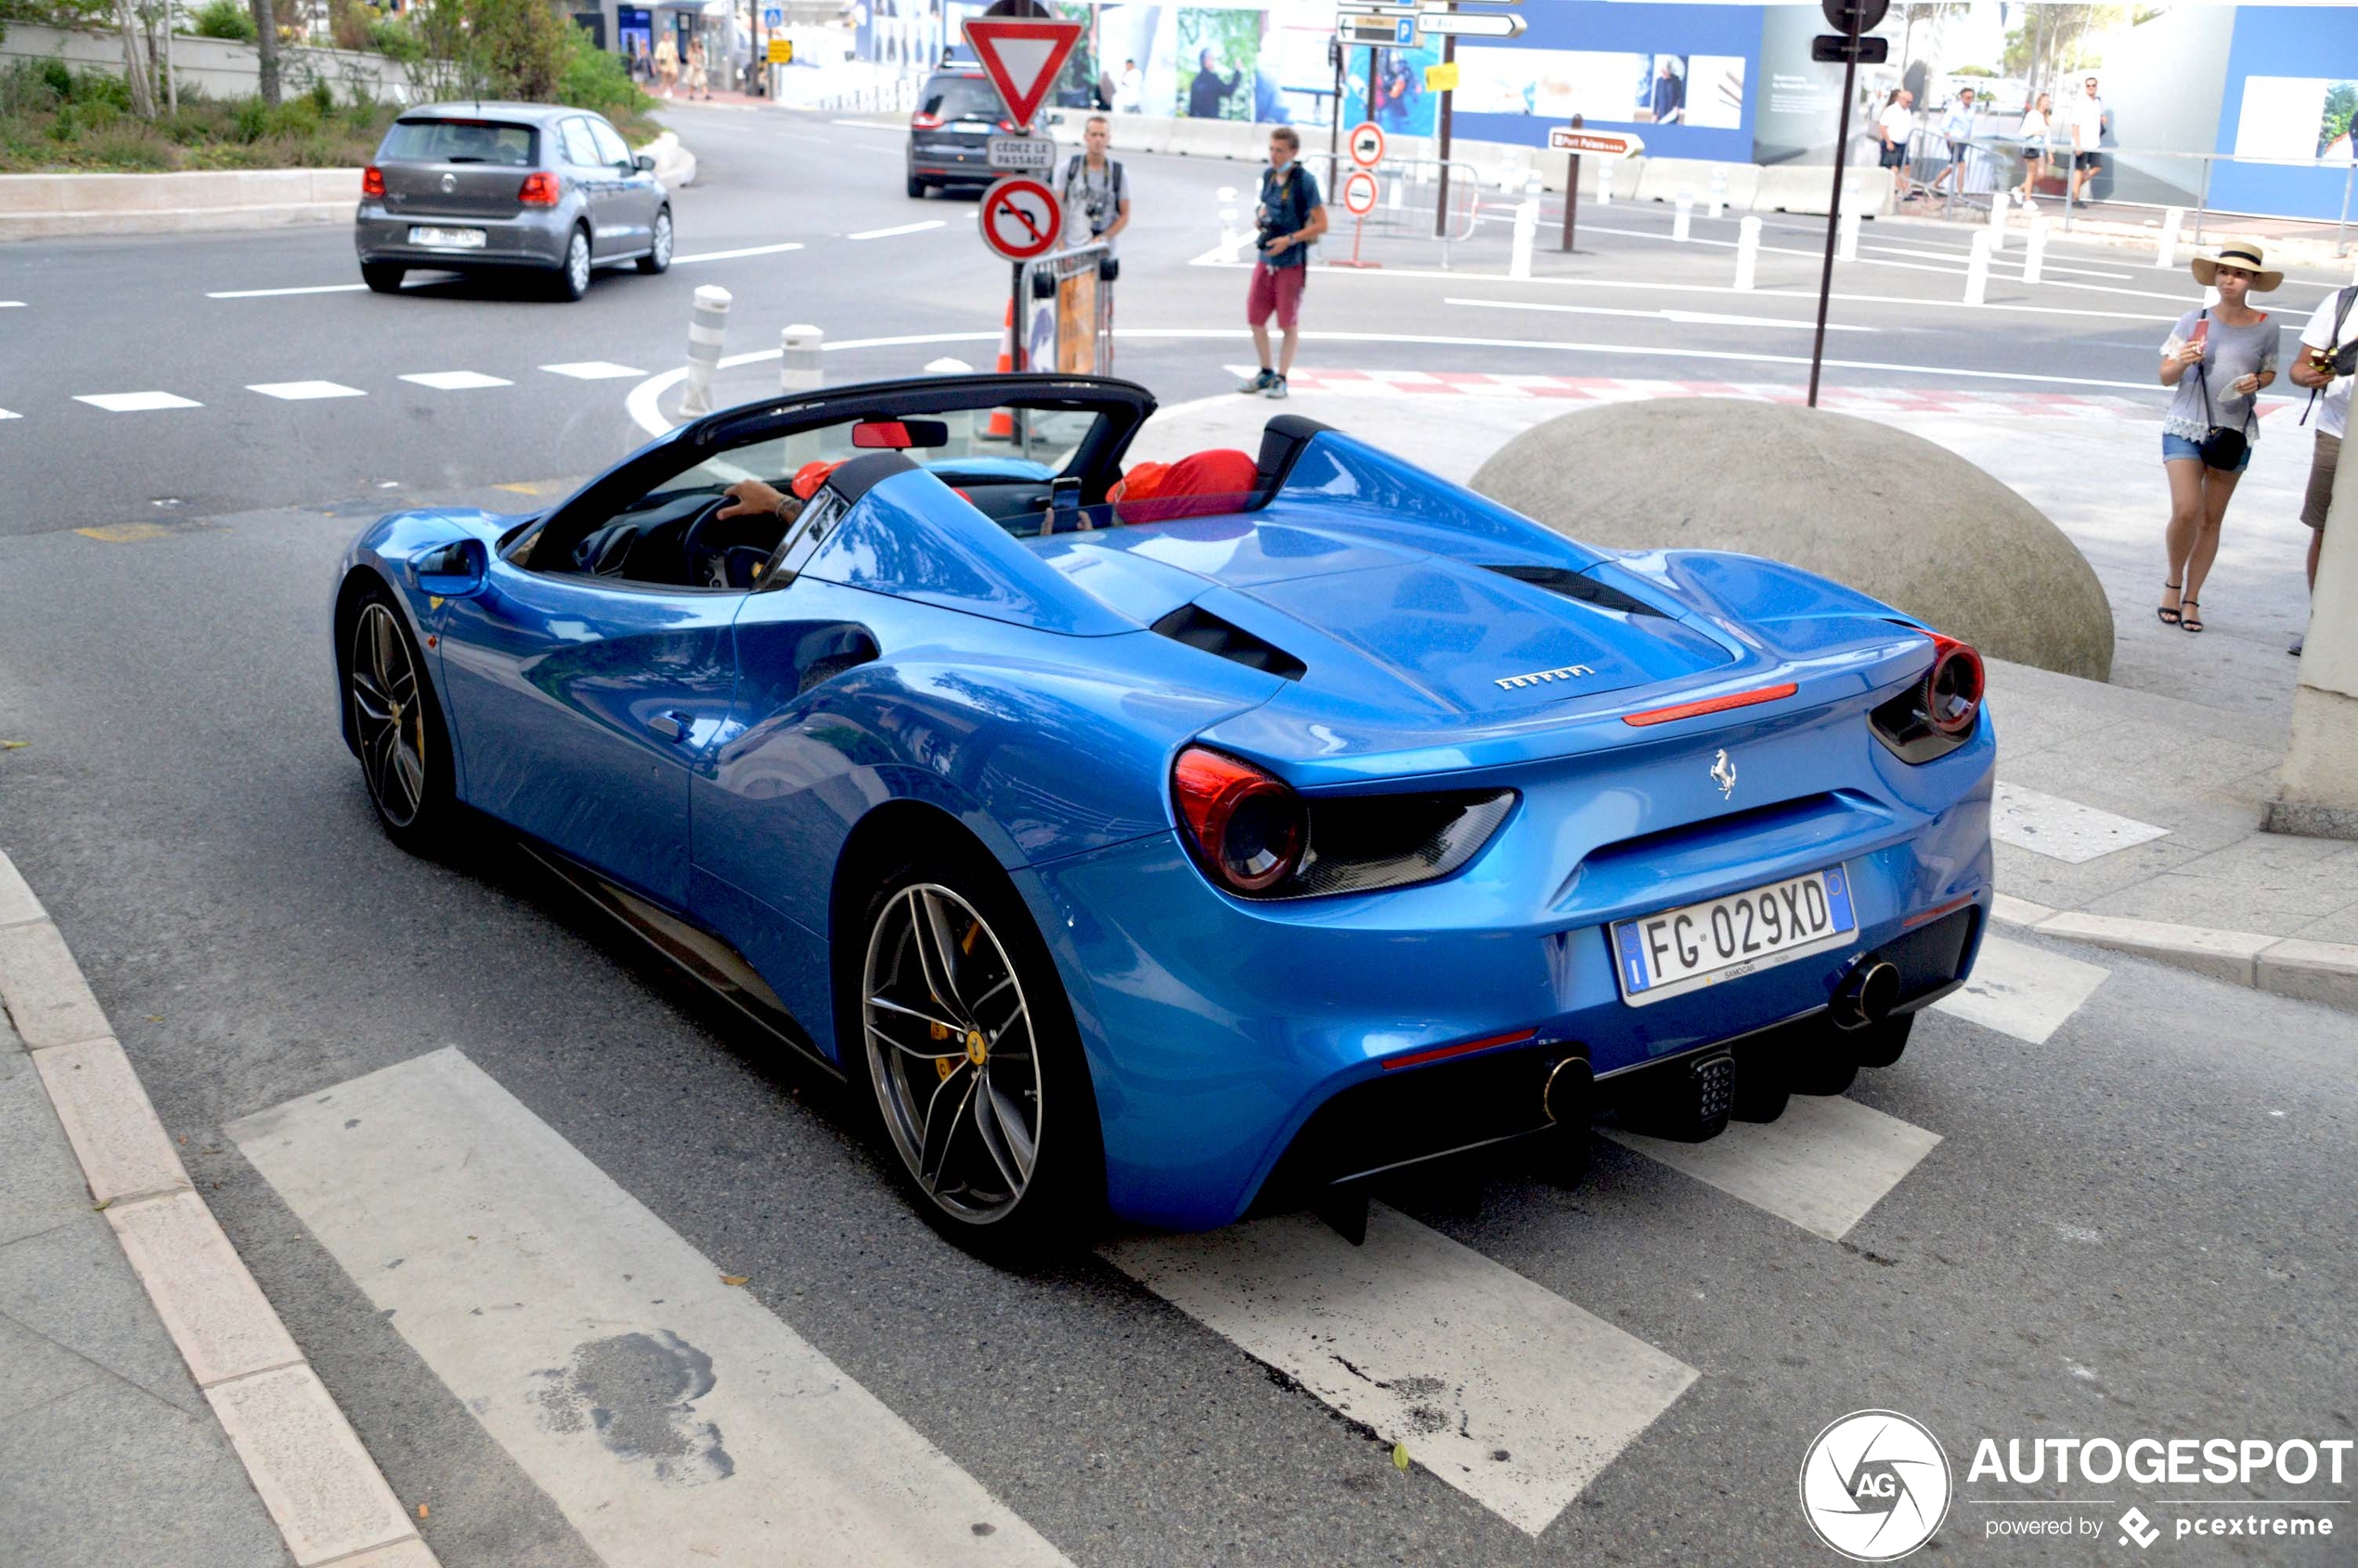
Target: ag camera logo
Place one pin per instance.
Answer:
(1875, 1485)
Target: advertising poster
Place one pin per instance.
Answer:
(1605, 86)
(2296, 117)
(1403, 105)
(1219, 57)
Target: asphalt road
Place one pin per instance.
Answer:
(2133, 1221)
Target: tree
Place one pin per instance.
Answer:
(265, 46)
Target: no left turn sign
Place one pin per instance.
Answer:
(1020, 219)
(1359, 194)
(1367, 144)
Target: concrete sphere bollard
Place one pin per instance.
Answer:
(1883, 511)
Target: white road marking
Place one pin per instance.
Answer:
(2025, 991)
(1683, 318)
(135, 402)
(5, 414)
(1505, 1391)
(900, 228)
(456, 380)
(743, 251)
(299, 392)
(11, 305)
(275, 293)
(2060, 829)
(1821, 1165)
(797, 135)
(593, 371)
(673, 1418)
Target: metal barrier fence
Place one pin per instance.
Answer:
(1407, 208)
(896, 96)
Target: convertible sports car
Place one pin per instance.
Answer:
(1215, 835)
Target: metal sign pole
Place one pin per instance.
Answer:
(1441, 203)
(1334, 132)
(1019, 335)
(1834, 211)
(1571, 193)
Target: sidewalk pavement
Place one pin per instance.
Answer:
(2128, 812)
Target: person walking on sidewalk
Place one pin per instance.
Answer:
(2038, 126)
(1095, 192)
(2219, 358)
(1289, 216)
(1956, 129)
(2329, 353)
(2087, 136)
(1895, 126)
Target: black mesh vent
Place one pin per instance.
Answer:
(1201, 628)
(1578, 585)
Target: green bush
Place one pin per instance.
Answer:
(396, 39)
(593, 79)
(323, 98)
(225, 19)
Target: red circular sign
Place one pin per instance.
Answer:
(1020, 218)
(1367, 144)
(1359, 192)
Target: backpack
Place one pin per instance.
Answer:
(1114, 182)
(2345, 355)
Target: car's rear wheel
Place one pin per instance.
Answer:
(917, 189)
(573, 273)
(658, 259)
(397, 730)
(962, 1026)
(383, 277)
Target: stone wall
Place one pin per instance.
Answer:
(219, 67)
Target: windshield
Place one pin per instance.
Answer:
(985, 447)
(961, 97)
(459, 141)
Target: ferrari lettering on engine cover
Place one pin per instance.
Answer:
(1539, 677)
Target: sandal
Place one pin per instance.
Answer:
(2192, 622)
(2169, 616)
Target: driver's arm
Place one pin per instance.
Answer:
(751, 497)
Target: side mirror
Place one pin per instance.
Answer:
(452, 571)
(644, 162)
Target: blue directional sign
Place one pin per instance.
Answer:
(1404, 33)
(774, 15)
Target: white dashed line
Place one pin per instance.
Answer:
(135, 402)
(275, 293)
(593, 371)
(2063, 830)
(301, 392)
(11, 305)
(732, 256)
(2022, 990)
(900, 228)
(1682, 318)
(5, 414)
(1821, 1165)
(456, 380)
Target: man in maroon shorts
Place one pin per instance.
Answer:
(1289, 216)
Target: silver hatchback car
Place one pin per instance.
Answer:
(458, 187)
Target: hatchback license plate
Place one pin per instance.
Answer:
(448, 239)
(1699, 944)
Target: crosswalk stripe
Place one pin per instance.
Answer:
(2023, 990)
(2060, 829)
(673, 1418)
(456, 380)
(593, 371)
(301, 392)
(1821, 1165)
(1503, 1390)
(135, 402)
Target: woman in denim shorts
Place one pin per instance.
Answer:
(2218, 359)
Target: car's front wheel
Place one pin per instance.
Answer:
(573, 273)
(383, 277)
(658, 258)
(970, 1048)
(396, 728)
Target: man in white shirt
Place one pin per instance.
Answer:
(2333, 328)
(1956, 129)
(2086, 136)
(1894, 126)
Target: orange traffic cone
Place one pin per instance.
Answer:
(1002, 426)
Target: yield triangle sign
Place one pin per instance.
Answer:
(1022, 55)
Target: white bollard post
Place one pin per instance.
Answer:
(1604, 182)
(1977, 269)
(1847, 236)
(2166, 243)
(706, 327)
(1526, 230)
(1718, 191)
(1747, 251)
(798, 358)
(2034, 249)
(1997, 221)
(1682, 220)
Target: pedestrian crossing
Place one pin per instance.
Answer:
(159, 400)
(673, 1417)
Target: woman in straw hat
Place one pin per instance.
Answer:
(2217, 358)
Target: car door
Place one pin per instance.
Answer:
(637, 196)
(600, 188)
(580, 704)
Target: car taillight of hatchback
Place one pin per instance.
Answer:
(540, 189)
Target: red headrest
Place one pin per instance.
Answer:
(1202, 485)
(809, 476)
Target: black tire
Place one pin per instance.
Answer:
(572, 280)
(658, 260)
(394, 719)
(1880, 1044)
(917, 189)
(970, 1181)
(384, 278)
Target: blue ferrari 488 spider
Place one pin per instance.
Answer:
(1197, 838)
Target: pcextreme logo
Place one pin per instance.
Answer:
(1875, 1485)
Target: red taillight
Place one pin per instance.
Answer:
(1952, 686)
(372, 181)
(921, 121)
(1008, 125)
(540, 189)
(1677, 711)
(1247, 825)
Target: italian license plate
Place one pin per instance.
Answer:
(448, 239)
(1699, 944)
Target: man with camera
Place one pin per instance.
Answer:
(2328, 355)
(1289, 216)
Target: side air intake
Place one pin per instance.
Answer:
(1578, 585)
(1201, 628)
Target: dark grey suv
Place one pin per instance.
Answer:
(950, 133)
(458, 187)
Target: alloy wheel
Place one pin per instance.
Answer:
(663, 240)
(577, 262)
(388, 716)
(951, 1051)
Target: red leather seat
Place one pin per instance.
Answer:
(1201, 485)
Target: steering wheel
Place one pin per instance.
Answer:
(694, 553)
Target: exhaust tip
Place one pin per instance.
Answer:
(1568, 1096)
(1868, 996)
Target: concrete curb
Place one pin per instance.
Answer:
(2310, 971)
(321, 1488)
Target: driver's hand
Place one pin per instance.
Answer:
(751, 497)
